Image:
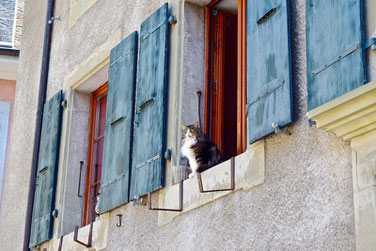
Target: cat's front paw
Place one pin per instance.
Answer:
(193, 174)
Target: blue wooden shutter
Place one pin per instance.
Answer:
(44, 196)
(119, 125)
(151, 106)
(335, 58)
(269, 94)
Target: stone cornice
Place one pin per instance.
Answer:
(351, 116)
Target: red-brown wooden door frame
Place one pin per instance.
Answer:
(99, 92)
(241, 76)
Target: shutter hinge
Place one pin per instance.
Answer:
(137, 201)
(172, 20)
(64, 104)
(156, 157)
(335, 60)
(370, 44)
(168, 154)
(55, 213)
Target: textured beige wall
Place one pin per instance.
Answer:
(305, 203)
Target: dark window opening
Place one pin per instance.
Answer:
(225, 92)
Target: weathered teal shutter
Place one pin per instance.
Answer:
(151, 106)
(335, 57)
(44, 196)
(269, 93)
(119, 125)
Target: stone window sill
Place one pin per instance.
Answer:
(351, 116)
(249, 172)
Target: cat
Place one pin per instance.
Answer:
(201, 153)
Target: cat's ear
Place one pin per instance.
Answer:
(196, 125)
(184, 127)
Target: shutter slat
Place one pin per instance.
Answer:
(269, 93)
(44, 196)
(335, 57)
(151, 106)
(119, 125)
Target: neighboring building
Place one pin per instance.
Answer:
(261, 77)
(11, 14)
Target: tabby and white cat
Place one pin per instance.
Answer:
(201, 153)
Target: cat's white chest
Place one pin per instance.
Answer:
(187, 151)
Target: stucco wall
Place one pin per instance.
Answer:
(305, 202)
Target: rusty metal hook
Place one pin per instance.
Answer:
(119, 222)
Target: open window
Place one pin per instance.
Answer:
(225, 93)
(95, 153)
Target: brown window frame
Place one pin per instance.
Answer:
(88, 183)
(241, 74)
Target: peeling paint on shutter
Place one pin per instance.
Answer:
(335, 55)
(269, 88)
(151, 106)
(114, 189)
(44, 197)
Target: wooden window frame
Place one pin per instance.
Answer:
(241, 75)
(96, 94)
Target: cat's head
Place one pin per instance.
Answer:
(191, 131)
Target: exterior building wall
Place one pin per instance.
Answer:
(306, 198)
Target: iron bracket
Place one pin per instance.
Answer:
(232, 177)
(90, 237)
(167, 209)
